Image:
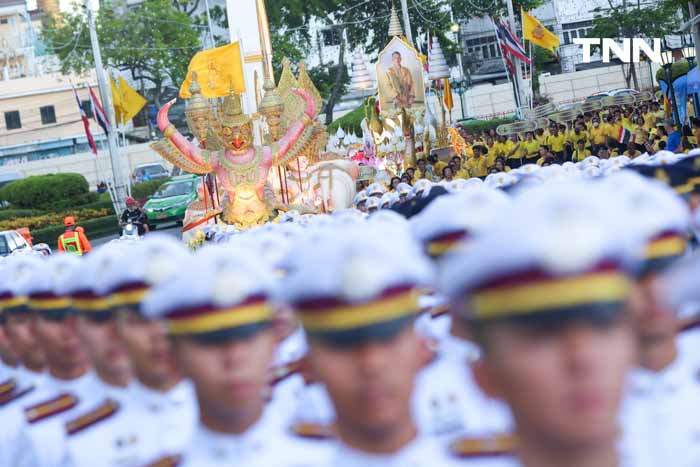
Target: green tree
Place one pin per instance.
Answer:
(153, 42)
(466, 9)
(359, 24)
(624, 18)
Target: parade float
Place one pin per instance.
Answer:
(278, 157)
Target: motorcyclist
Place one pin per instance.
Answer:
(134, 214)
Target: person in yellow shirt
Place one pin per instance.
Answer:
(512, 152)
(528, 148)
(578, 134)
(556, 142)
(598, 134)
(694, 139)
(500, 165)
(541, 136)
(614, 127)
(631, 151)
(478, 164)
(457, 169)
(581, 152)
(497, 148)
(437, 164)
(494, 148)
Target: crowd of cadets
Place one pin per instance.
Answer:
(549, 323)
(593, 133)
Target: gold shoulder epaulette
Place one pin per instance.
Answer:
(15, 395)
(50, 408)
(167, 461)
(7, 386)
(690, 323)
(484, 447)
(313, 430)
(439, 310)
(283, 372)
(96, 415)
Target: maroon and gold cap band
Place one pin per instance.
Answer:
(350, 316)
(220, 319)
(54, 303)
(668, 245)
(128, 297)
(550, 294)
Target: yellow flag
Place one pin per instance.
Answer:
(117, 98)
(216, 69)
(534, 32)
(131, 101)
(448, 95)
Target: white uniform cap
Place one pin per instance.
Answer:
(149, 262)
(217, 276)
(354, 266)
(560, 229)
(469, 211)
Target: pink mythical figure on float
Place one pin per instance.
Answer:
(241, 167)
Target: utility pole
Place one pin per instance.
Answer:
(407, 22)
(695, 29)
(518, 69)
(211, 31)
(106, 96)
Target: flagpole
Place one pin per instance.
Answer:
(106, 95)
(518, 68)
(505, 67)
(532, 76)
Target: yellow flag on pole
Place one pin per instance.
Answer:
(131, 101)
(536, 33)
(448, 95)
(216, 70)
(117, 98)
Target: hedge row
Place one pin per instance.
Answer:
(54, 191)
(7, 214)
(475, 126)
(94, 228)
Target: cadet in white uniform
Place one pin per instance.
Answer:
(219, 315)
(663, 391)
(71, 385)
(544, 293)
(357, 298)
(158, 415)
(449, 402)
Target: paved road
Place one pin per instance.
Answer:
(168, 229)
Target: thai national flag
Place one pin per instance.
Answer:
(511, 42)
(86, 124)
(624, 136)
(504, 49)
(99, 112)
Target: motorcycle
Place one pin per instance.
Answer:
(130, 231)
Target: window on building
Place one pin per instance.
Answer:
(484, 51)
(3, 20)
(87, 107)
(567, 38)
(12, 120)
(582, 33)
(48, 114)
(492, 48)
(331, 37)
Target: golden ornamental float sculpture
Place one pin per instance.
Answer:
(226, 143)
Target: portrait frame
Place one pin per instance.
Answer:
(410, 59)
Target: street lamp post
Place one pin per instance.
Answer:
(460, 87)
(667, 62)
(689, 54)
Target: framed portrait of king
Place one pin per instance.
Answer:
(400, 77)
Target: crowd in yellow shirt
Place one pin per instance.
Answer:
(627, 130)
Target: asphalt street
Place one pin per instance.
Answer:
(169, 229)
